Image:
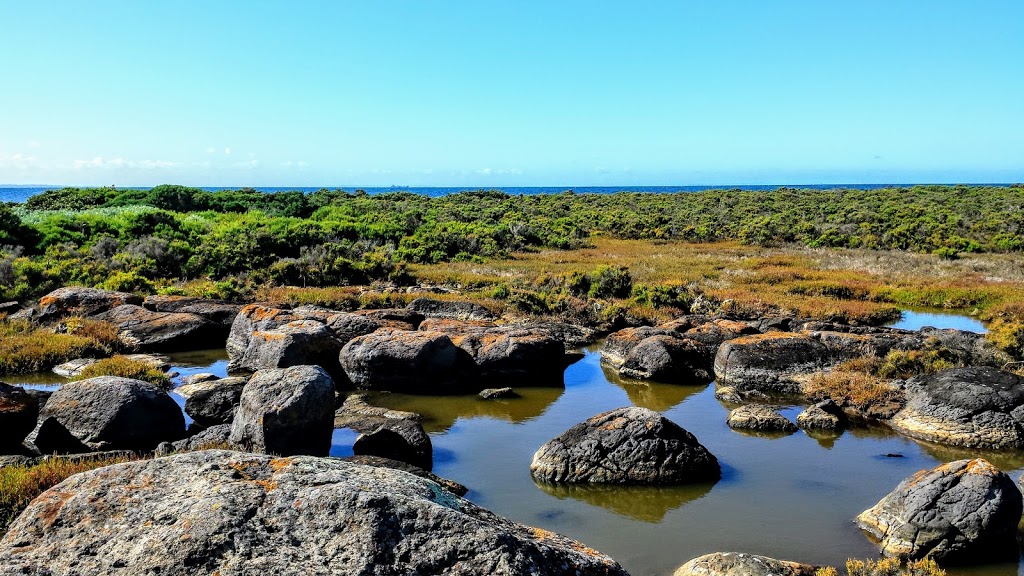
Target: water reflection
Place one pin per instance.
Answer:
(651, 395)
(915, 320)
(441, 412)
(643, 503)
(1005, 460)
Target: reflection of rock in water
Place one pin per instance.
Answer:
(1005, 460)
(825, 438)
(651, 395)
(643, 503)
(440, 412)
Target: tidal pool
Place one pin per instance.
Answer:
(791, 497)
(917, 319)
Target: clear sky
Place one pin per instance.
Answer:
(511, 93)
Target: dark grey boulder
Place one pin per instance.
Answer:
(498, 393)
(401, 440)
(232, 514)
(216, 311)
(214, 402)
(514, 354)
(286, 411)
(207, 438)
(78, 301)
(625, 446)
(825, 415)
(431, 308)
(715, 332)
(977, 407)
(669, 359)
(759, 418)
(962, 512)
(107, 413)
(408, 361)
(769, 362)
(162, 331)
(734, 564)
(18, 412)
(618, 344)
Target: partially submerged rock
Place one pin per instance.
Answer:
(402, 440)
(497, 393)
(734, 564)
(286, 411)
(769, 362)
(213, 402)
(977, 407)
(78, 301)
(232, 513)
(759, 418)
(669, 359)
(617, 345)
(625, 446)
(417, 362)
(107, 413)
(964, 511)
(825, 415)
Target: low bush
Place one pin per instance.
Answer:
(887, 567)
(856, 389)
(25, 348)
(126, 368)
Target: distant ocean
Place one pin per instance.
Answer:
(22, 193)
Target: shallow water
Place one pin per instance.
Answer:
(792, 497)
(915, 320)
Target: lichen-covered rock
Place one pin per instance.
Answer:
(147, 330)
(728, 394)
(216, 311)
(964, 511)
(715, 332)
(669, 359)
(625, 446)
(107, 413)
(511, 353)
(417, 362)
(618, 344)
(769, 362)
(825, 415)
(397, 318)
(78, 301)
(286, 411)
(18, 411)
(449, 309)
(734, 564)
(977, 407)
(213, 402)
(231, 514)
(449, 485)
(759, 418)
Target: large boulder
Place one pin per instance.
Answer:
(107, 413)
(977, 407)
(408, 361)
(669, 359)
(759, 418)
(625, 446)
(147, 330)
(964, 511)
(77, 301)
(216, 311)
(618, 344)
(512, 353)
(18, 411)
(286, 411)
(230, 513)
(715, 332)
(431, 308)
(769, 362)
(733, 564)
(213, 402)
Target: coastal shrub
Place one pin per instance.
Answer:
(887, 567)
(126, 368)
(610, 282)
(905, 364)
(847, 388)
(25, 348)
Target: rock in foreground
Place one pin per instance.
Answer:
(625, 446)
(232, 513)
(964, 511)
(733, 564)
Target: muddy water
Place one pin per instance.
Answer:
(791, 497)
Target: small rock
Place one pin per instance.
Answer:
(198, 378)
(825, 415)
(759, 418)
(733, 564)
(728, 394)
(73, 368)
(494, 393)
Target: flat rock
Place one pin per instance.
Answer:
(163, 331)
(498, 393)
(451, 309)
(232, 513)
(198, 378)
(625, 446)
(769, 362)
(977, 407)
(964, 511)
(759, 418)
(286, 411)
(734, 564)
(78, 301)
(355, 408)
(716, 332)
(73, 368)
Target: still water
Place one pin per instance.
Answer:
(787, 496)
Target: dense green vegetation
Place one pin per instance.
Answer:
(145, 239)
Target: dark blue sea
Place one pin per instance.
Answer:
(22, 193)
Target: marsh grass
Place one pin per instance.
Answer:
(27, 348)
(887, 567)
(126, 368)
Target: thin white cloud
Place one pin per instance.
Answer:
(210, 150)
(498, 171)
(227, 150)
(101, 163)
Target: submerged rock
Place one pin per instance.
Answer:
(964, 511)
(625, 446)
(977, 407)
(286, 411)
(734, 564)
(759, 418)
(232, 513)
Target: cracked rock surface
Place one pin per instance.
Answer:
(625, 446)
(230, 513)
(962, 511)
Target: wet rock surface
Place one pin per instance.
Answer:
(625, 446)
(964, 511)
(977, 407)
(233, 513)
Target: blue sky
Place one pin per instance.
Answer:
(502, 93)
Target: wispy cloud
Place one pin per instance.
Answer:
(100, 163)
(498, 171)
